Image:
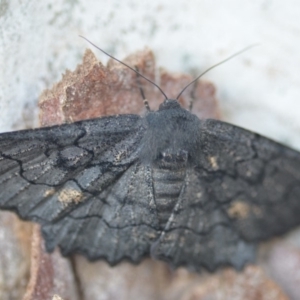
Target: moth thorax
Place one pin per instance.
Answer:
(170, 159)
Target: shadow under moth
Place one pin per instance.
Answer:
(199, 193)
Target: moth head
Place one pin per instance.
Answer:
(169, 104)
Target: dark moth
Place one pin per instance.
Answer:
(197, 193)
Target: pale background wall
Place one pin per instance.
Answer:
(259, 90)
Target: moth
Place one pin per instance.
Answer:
(195, 193)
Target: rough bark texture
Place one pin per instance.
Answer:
(50, 273)
(94, 90)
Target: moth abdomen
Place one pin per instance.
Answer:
(167, 185)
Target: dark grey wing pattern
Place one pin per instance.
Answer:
(256, 181)
(243, 188)
(199, 233)
(64, 177)
(114, 225)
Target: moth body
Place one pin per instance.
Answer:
(170, 151)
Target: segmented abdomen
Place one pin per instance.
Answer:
(167, 187)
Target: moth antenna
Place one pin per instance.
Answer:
(193, 95)
(146, 103)
(126, 66)
(212, 67)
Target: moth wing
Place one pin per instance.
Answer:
(255, 180)
(199, 233)
(243, 188)
(118, 223)
(57, 174)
